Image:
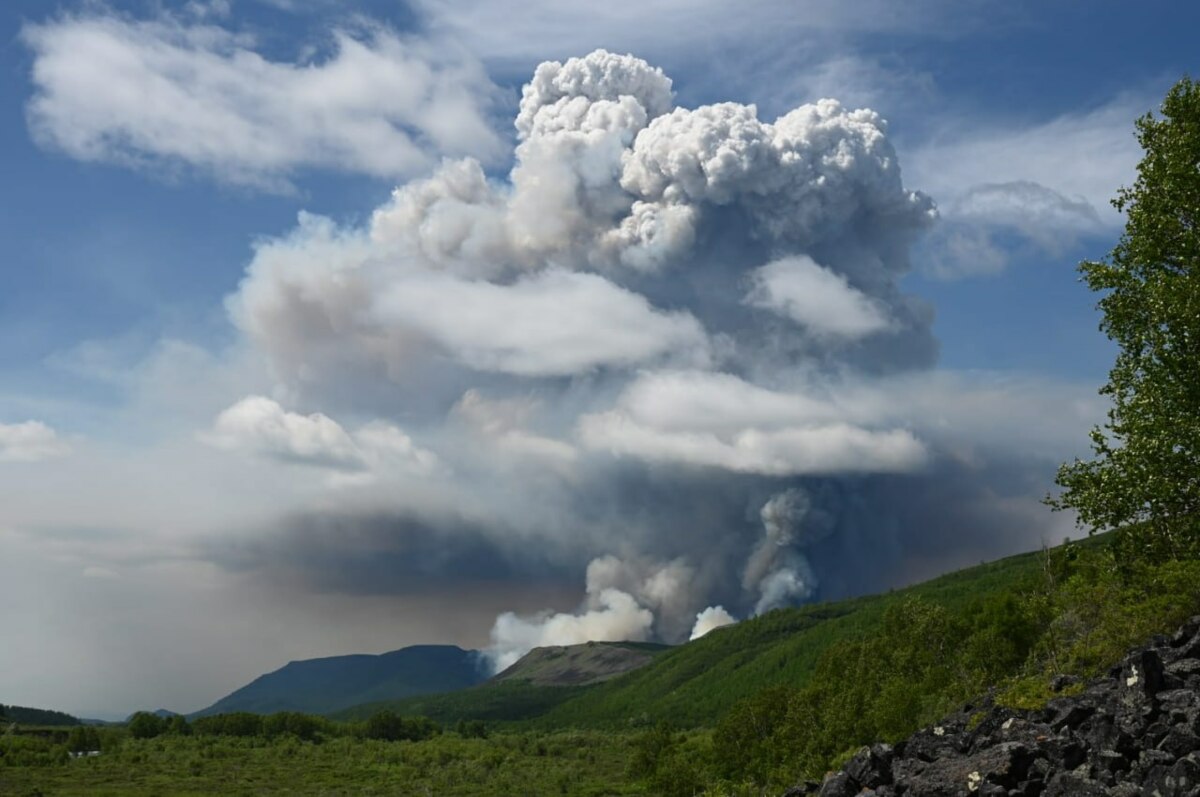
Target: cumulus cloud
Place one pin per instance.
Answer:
(260, 426)
(710, 618)
(169, 91)
(30, 441)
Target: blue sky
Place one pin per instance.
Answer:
(200, 388)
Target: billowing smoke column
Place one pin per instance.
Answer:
(662, 319)
(777, 569)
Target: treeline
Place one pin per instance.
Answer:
(42, 748)
(383, 725)
(36, 716)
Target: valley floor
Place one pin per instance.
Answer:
(575, 763)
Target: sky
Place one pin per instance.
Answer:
(337, 327)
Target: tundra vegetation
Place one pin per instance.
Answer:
(754, 708)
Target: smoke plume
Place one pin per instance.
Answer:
(669, 349)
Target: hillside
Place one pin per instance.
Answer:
(321, 686)
(1131, 731)
(696, 683)
(36, 716)
(581, 665)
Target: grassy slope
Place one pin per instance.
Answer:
(578, 665)
(694, 684)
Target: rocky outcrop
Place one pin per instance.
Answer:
(1134, 732)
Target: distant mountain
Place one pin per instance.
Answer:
(36, 716)
(321, 686)
(158, 712)
(578, 665)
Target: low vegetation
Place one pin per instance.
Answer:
(871, 669)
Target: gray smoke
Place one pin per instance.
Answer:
(777, 568)
(669, 351)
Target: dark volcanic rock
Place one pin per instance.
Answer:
(871, 766)
(1134, 732)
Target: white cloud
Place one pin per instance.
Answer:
(260, 426)
(1050, 181)
(30, 441)
(166, 92)
(822, 301)
(1088, 155)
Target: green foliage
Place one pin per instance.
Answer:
(471, 729)
(570, 763)
(664, 761)
(888, 665)
(236, 723)
(178, 726)
(391, 727)
(1084, 611)
(292, 723)
(1146, 469)
(144, 725)
(82, 739)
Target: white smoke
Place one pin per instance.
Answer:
(609, 616)
(627, 600)
(777, 569)
(710, 618)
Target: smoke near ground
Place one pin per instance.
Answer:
(710, 618)
(668, 356)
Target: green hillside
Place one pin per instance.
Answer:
(696, 683)
(36, 716)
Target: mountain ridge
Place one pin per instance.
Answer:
(330, 683)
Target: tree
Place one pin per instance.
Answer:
(1145, 476)
(144, 725)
